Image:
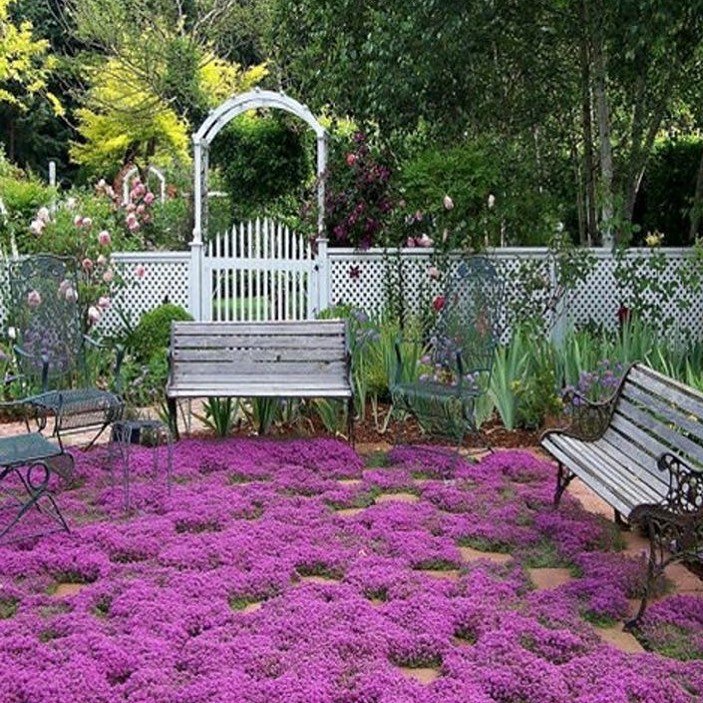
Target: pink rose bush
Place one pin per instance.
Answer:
(246, 584)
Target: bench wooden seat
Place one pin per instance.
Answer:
(642, 452)
(294, 359)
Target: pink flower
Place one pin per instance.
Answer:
(87, 222)
(351, 159)
(132, 225)
(433, 272)
(438, 303)
(108, 276)
(424, 241)
(101, 260)
(78, 220)
(34, 298)
(149, 198)
(140, 208)
(137, 191)
(87, 264)
(448, 203)
(130, 207)
(139, 271)
(93, 314)
(43, 214)
(104, 302)
(37, 226)
(410, 242)
(71, 295)
(104, 238)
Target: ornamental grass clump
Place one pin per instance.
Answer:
(343, 604)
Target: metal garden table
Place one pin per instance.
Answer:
(27, 462)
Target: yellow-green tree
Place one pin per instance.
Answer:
(152, 78)
(25, 63)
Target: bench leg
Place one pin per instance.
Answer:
(173, 417)
(564, 478)
(350, 421)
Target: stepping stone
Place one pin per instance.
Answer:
(545, 579)
(318, 579)
(635, 545)
(376, 602)
(423, 675)
(684, 580)
(623, 641)
(349, 512)
(470, 554)
(251, 607)
(68, 589)
(397, 497)
(448, 574)
(349, 481)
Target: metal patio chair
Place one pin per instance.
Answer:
(458, 359)
(51, 348)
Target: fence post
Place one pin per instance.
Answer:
(322, 268)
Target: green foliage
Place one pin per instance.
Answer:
(220, 415)
(509, 368)
(152, 334)
(22, 196)
(262, 158)
(667, 190)
(468, 175)
(25, 64)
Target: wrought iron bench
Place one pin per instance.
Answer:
(642, 452)
(301, 359)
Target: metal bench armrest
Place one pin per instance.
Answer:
(685, 495)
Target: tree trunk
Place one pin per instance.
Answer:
(603, 117)
(587, 125)
(697, 203)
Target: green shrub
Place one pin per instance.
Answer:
(262, 159)
(152, 334)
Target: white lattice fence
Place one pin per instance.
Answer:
(165, 279)
(363, 279)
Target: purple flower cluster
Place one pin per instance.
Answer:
(246, 585)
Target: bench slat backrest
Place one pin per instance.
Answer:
(658, 414)
(314, 351)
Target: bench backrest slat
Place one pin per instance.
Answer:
(660, 415)
(298, 352)
(669, 389)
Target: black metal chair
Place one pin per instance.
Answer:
(458, 356)
(50, 348)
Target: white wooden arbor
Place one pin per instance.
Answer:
(151, 170)
(202, 140)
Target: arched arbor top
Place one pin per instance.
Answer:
(253, 100)
(220, 117)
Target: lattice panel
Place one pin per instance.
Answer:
(166, 279)
(363, 279)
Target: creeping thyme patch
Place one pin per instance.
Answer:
(341, 602)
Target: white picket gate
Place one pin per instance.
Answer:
(259, 270)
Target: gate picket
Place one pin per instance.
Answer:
(259, 270)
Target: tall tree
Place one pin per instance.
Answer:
(25, 67)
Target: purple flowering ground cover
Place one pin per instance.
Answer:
(166, 613)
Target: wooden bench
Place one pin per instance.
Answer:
(300, 359)
(642, 452)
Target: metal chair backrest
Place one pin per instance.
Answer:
(46, 315)
(469, 320)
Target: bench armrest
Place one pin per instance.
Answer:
(685, 493)
(589, 419)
